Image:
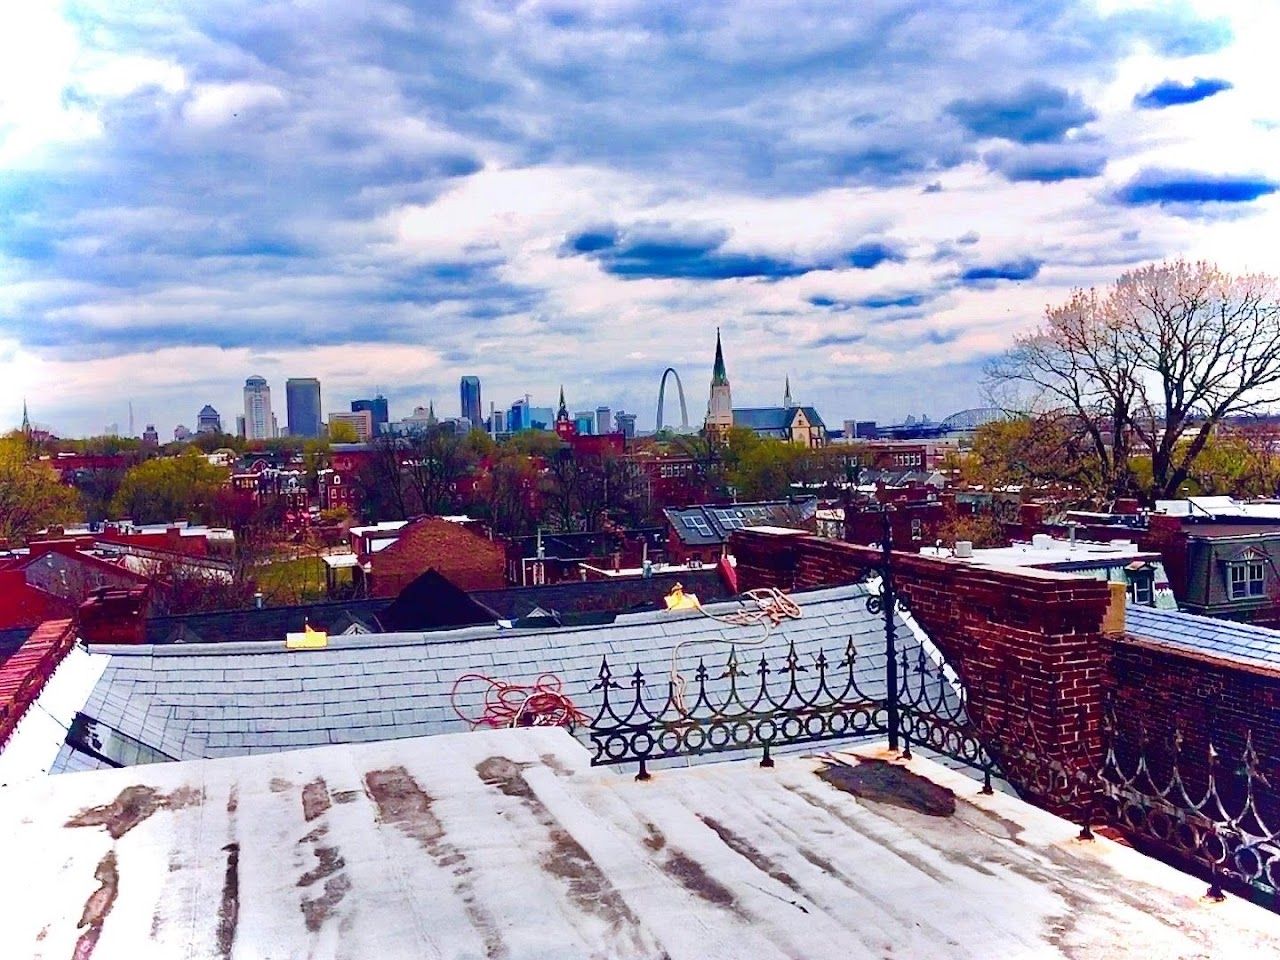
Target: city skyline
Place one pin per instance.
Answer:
(356, 194)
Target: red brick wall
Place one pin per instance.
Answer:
(469, 561)
(1159, 691)
(1027, 645)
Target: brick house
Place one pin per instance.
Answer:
(467, 559)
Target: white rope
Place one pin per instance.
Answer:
(772, 607)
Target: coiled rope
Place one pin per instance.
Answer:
(772, 607)
(540, 704)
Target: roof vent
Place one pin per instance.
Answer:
(1041, 541)
(964, 549)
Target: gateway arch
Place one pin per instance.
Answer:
(662, 392)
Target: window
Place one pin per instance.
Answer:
(1245, 579)
(917, 529)
(1142, 588)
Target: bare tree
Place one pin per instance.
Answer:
(1168, 350)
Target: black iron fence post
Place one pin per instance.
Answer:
(890, 630)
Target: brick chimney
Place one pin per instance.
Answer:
(114, 616)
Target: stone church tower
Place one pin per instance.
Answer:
(720, 406)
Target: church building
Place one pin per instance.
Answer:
(790, 422)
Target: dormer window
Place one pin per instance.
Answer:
(1245, 579)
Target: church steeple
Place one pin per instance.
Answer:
(786, 395)
(719, 378)
(720, 405)
(563, 412)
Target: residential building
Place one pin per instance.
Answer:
(701, 533)
(181, 433)
(377, 407)
(208, 420)
(302, 397)
(360, 421)
(151, 436)
(259, 421)
(450, 547)
(469, 392)
(1118, 561)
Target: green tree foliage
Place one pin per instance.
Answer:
(341, 432)
(1033, 452)
(30, 495)
(169, 488)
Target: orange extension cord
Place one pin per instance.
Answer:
(541, 704)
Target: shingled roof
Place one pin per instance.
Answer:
(1241, 642)
(216, 700)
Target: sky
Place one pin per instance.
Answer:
(871, 198)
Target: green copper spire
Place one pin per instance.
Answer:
(718, 376)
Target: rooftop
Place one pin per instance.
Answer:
(1209, 636)
(216, 700)
(1044, 550)
(507, 844)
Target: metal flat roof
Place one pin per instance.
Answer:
(507, 844)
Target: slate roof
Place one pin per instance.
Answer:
(773, 418)
(216, 700)
(704, 525)
(229, 626)
(1243, 642)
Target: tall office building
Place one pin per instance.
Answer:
(360, 421)
(258, 418)
(377, 408)
(626, 423)
(518, 418)
(208, 420)
(302, 398)
(602, 420)
(469, 390)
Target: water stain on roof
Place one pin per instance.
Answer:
(98, 906)
(688, 872)
(229, 907)
(883, 782)
(315, 799)
(566, 859)
(132, 806)
(401, 802)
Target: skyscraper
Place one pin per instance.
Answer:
(469, 390)
(626, 423)
(258, 418)
(377, 407)
(208, 420)
(602, 419)
(302, 397)
(720, 405)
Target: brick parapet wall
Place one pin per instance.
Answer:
(1160, 692)
(1026, 644)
